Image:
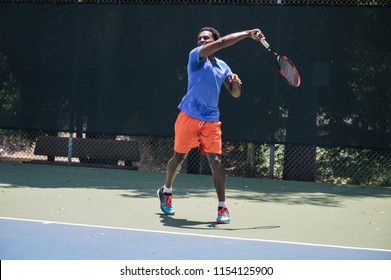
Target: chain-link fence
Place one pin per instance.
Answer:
(147, 153)
(291, 162)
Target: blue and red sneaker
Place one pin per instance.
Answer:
(223, 215)
(165, 202)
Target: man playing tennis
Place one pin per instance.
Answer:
(198, 121)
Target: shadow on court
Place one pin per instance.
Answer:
(170, 221)
(144, 184)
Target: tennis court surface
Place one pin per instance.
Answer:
(52, 212)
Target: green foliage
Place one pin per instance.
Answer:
(353, 166)
(12, 141)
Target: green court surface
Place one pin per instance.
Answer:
(302, 212)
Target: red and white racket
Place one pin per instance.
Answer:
(285, 65)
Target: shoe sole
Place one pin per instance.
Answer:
(158, 196)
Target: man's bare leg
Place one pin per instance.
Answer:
(173, 167)
(218, 174)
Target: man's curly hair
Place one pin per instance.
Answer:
(215, 33)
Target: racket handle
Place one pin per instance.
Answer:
(264, 43)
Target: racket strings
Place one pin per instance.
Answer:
(288, 70)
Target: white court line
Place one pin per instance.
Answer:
(193, 234)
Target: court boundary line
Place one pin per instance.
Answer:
(193, 234)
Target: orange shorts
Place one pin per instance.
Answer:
(190, 133)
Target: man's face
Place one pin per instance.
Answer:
(205, 37)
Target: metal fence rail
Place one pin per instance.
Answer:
(217, 2)
(290, 162)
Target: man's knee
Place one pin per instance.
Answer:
(214, 161)
(178, 158)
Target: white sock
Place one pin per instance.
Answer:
(167, 190)
(221, 204)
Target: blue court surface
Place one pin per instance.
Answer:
(22, 239)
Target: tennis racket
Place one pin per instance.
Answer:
(285, 65)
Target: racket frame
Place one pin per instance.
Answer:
(278, 57)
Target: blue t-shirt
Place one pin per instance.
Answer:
(204, 84)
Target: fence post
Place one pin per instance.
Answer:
(271, 161)
(70, 147)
